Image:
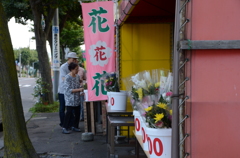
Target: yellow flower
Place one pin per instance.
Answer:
(106, 80)
(170, 111)
(148, 108)
(157, 84)
(158, 117)
(162, 105)
(140, 94)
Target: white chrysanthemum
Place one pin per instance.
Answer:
(135, 80)
(164, 95)
(142, 84)
(147, 77)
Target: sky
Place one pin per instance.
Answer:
(21, 36)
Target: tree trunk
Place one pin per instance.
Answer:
(45, 69)
(16, 140)
(62, 52)
(41, 38)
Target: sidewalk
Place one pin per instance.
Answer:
(47, 138)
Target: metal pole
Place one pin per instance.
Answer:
(55, 54)
(175, 99)
(20, 65)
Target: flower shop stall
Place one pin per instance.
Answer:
(198, 41)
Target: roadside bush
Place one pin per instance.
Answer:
(40, 90)
(41, 108)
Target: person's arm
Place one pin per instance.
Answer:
(63, 73)
(77, 90)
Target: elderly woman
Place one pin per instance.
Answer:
(72, 98)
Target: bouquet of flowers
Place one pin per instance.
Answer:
(165, 88)
(147, 88)
(158, 116)
(144, 85)
(111, 82)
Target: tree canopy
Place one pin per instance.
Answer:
(27, 56)
(71, 36)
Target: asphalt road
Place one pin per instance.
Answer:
(26, 86)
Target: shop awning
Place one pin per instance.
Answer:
(146, 11)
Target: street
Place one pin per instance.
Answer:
(26, 86)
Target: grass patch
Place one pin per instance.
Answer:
(41, 108)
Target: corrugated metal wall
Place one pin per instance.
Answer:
(215, 80)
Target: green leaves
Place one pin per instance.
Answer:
(20, 9)
(134, 94)
(27, 56)
(40, 90)
(162, 100)
(71, 35)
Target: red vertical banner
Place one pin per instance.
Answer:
(98, 22)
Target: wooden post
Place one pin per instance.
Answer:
(85, 117)
(104, 113)
(92, 117)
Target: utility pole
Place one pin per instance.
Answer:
(55, 54)
(20, 65)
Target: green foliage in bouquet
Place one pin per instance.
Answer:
(159, 116)
(151, 90)
(134, 94)
(162, 100)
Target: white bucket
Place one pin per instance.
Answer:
(144, 135)
(109, 97)
(137, 121)
(159, 142)
(85, 95)
(118, 100)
